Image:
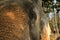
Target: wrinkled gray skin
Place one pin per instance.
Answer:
(10, 28)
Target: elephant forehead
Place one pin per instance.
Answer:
(10, 15)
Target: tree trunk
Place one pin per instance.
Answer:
(46, 31)
(44, 24)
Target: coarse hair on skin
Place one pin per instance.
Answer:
(17, 20)
(13, 22)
